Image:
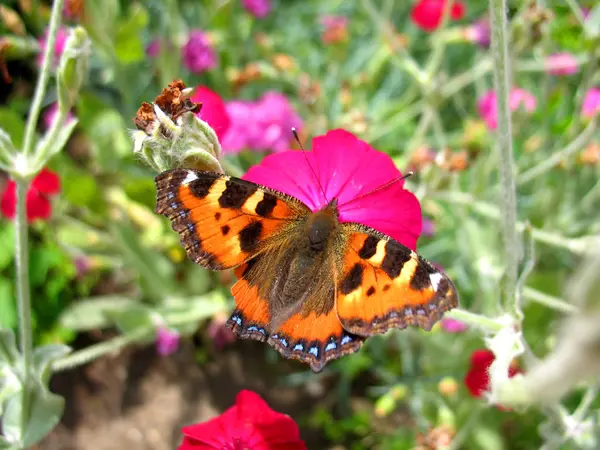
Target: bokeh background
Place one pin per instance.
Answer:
(104, 266)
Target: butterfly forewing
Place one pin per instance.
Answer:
(223, 221)
(384, 285)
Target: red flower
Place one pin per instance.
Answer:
(44, 185)
(346, 168)
(213, 110)
(477, 378)
(248, 425)
(427, 14)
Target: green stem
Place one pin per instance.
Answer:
(499, 32)
(23, 296)
(548, 163)
(549, 301)
(42, 82)
(476, 320)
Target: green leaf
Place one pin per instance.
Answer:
(591, 26)
(128, 44)
(132, 318)
(7, 244)
(8, 347)
(80, 188)
(91, 313)
(8, 318)
(44, 355)
(41, 261)
(45, 412)
(14, 125)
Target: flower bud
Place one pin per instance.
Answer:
(170, 134)
(73, 67)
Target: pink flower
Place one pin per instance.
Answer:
(488, 107)
(479, 33)
(258, 8)
(453, 326)
(167, 341)
(335, 29)
(248, 425)
(153, 48)
(262, 125)
(59, 45)
(213, 110)
(198, 53)
(346, 168)
(50, 115)
(45, 185)
(591, 103)
(561, 64)
(428, 228)
(427, 14)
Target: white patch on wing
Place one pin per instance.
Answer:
(191, 176)
(435, 279)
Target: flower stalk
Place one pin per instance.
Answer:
(502, 83)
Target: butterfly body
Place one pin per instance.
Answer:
(310, 285)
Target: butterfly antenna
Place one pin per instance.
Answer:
(382, 187)
(309, 164)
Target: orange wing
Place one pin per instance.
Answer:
(223, 221)
(386, 285)
(311, 337)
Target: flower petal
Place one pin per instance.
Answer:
(46, 182)
(8, 204)
(38, 206)
(346, 168)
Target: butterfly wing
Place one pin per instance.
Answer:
(387, 285)
(223, 221)
(313, 334)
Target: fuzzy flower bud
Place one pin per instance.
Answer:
(171, 135)
(73, 67)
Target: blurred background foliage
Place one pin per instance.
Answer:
(104, 260)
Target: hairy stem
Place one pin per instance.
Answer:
(40, 87)
(23, 296)
(499, 31)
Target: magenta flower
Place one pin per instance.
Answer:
(59, 46)
(198, 53)
(167, 341)
(153, 48)
(479, 33)
(335, 29)
(561, 64)
(518, 98)
(428, 228)
(262, 125)
(213, 110)
(346, 167)
(258, 8)
(50, 115)
(453, 326)
(591, 103)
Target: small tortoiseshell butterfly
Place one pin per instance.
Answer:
(312, 286)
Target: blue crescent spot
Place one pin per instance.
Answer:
(420, 312)
(330, 346)
(314, 351)
(346, 339)
(283, 341)
(299, 347)
(252, 328)
(431, 306)
(408, 312)
(174, 205)
(170, 195)
(190, 226)
(393, 314)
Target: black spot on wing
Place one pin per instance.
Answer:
(353, 279)
(236, 193)
(225, 230)
(250, 236)
(266, 206)
(420, 279)
(370, 291)
(201, 185)
(395, 257)
(217, 216)
(369, 248)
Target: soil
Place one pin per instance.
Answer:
(140, 400)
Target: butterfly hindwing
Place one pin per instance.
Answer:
(223, 221)
(386, 285)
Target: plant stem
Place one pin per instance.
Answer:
(42, 82)
(477, 320)
(23, 296)
(549, 301)
(499, 32)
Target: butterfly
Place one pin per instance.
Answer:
(311, 286)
